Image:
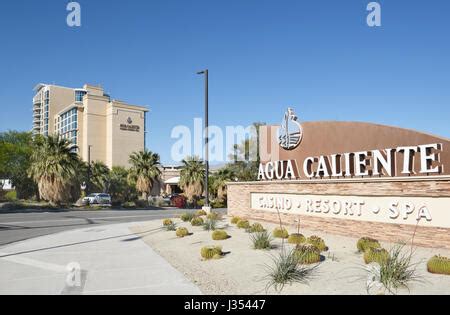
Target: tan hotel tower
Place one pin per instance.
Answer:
(89, 118)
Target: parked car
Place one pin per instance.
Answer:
(98, 198)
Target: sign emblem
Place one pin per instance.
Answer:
(129, 121)
(290, 133)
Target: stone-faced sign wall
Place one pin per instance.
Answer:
(355, 179)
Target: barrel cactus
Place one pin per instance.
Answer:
(235, 220)
(197, 221)
(367, 242)
(439, 265)
(243, 224)
(296, 239)
(219, 235)
(307, 254)
(280, 233)
(211, 252)
(187, 216)
(182, 232)
(167, 222)
(200, 213)
(317, 242)
(214, 216)
(256, 228)
(377, 255)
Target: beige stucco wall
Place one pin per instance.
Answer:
(122, 143)
(94, 125)
(60, 98)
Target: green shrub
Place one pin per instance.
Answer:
(307, 254)
(11, 196)
(167, 222)
(187, 216)
(129, 205)
(286, 269)
(211, 252)
(296, 239)
(235, 220)
(256, 227)
(377, 255)
(367, 242)
(201, 203)
(214, 216)
(182, 232)
(318, 242)
(280, 233)
(243, 224)
(218, 204)
(219, 235)
(439, 265)
(261, 240)
(210, 225)
(197, 221)
(141, 203)
(200, 213)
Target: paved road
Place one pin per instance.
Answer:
(22, 226)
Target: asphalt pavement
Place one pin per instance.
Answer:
(15, 227)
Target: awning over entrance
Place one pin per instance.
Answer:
(173, 181)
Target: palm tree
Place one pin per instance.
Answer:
(192, 179)
(223, 176)
(100, 176)
(145, 170)
(53, 167)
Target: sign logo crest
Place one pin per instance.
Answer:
(290, 133)
(129, 120)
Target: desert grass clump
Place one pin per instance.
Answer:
(214, 216)
(296, 239)
(197, 221)
(307, 254)
(366, 243)
(171, 227)
(210, 225)
(167, 222)
(255, 227)
(286, 269)
(439, 265)
(182, 232)
(219, 235)
(280, 232)
(235, 220)
(200, 213)
(317, 242)
(377, 255)
(261, 240)
(211, 252)
(187, 216)
(243, 224)
(396, 271)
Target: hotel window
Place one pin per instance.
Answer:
(79, 96)
(68, 124)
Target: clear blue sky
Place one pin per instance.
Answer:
(318, 56)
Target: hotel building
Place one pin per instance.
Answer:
(102, 129)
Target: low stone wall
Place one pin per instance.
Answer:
(239, 204)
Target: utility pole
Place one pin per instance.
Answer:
(89, 171)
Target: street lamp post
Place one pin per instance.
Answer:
(206, 74)
(89, 171)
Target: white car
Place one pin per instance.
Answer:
(102, 199)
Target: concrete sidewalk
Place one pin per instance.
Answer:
(112, 261)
